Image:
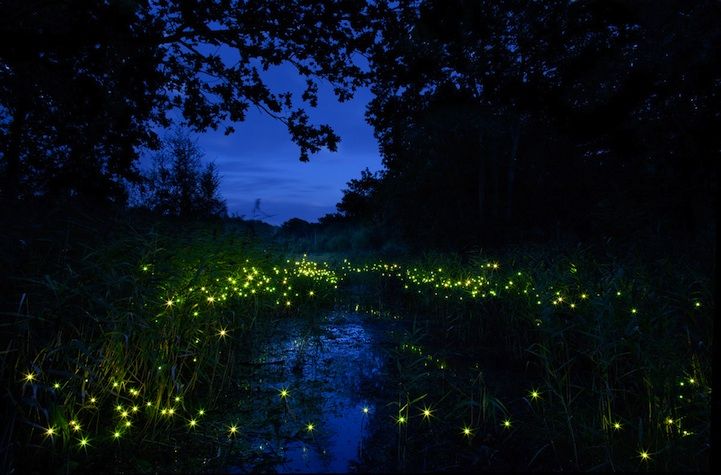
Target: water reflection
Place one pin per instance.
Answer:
(320, 388)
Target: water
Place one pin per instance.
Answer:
(326, 369)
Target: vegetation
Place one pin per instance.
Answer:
(178, 185)
(543, 362)
(138, 342)
(79, 108)
(119, 334)
(538, 250)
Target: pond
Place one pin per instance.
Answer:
(326, 378)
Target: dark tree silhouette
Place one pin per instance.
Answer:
(178, 184)
(360, 198)
(496, 118)
(78, 82)
(83, 83)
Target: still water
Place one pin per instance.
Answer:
(320, 374)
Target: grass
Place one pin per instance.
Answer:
(131, 337)
(617, 355)
(126, 341)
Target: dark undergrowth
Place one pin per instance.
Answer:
(125, 337)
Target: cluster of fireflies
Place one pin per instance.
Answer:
(297, 282)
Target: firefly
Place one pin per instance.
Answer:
(310, 427)
(232, 430)
(506, 424)
(644, 455)
(467, 431)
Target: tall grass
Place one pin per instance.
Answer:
(119, 339)
(132, 335)
(616, 354)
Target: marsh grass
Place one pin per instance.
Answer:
(114, 340)
(617, 351)
(119, 333)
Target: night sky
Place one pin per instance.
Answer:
(259, 161)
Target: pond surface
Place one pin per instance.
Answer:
(325, 377)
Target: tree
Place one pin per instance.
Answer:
(296, 228)
(179, 186)
(571, 109)
(82, 84)
(78, 82)
(359, 199)
(209, 203)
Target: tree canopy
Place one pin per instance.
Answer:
(503, 117)
(494, 117)
(83, 84)
(179, 185)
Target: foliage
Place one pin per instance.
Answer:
(360, 196)
(584, 365)
(84, 84)
(179, 186)
(497, 120)
(153, 321)
(120, 332)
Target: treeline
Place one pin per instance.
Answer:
(85, 87)
(497, 121)
(178, 184)
(507, 121)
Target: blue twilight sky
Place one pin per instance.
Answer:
(259, 161)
